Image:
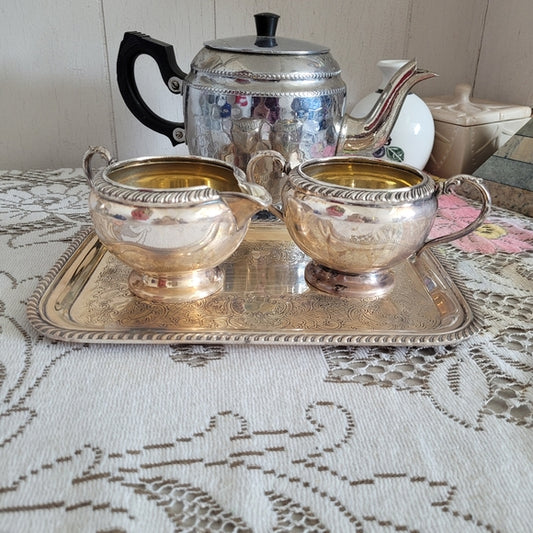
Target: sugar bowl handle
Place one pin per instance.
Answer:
(448, 187)
(87, 157)
(272, 178)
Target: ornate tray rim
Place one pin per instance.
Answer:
(471, 324)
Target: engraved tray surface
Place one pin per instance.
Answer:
(265, 299)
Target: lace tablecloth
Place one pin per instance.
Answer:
(137, 438)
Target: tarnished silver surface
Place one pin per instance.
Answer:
(173, 220)
(360, 217)
(264, 299)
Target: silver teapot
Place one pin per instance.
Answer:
(259, 92)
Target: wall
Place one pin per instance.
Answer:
(58, 91)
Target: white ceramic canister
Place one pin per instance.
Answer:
(411, 139)
(469, 130)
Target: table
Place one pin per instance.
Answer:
(156, 437)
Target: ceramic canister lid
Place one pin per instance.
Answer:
(463, 110)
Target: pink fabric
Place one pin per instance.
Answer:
(494, 235)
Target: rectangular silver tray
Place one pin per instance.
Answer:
(265, 299)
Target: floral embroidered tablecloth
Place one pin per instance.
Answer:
(137, 438)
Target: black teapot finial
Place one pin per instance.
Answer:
(265, 26)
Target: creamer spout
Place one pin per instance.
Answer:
(245, 204)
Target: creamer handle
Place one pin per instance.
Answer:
(87, 157)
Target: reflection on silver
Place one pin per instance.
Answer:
(264, 299)
(357, 218)
(173, 220)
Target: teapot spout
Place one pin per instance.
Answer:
(369, 133)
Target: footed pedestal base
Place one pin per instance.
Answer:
(187, 286)
(344, 284)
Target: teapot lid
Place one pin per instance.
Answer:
(265, 41)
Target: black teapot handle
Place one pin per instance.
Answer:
(132, 46)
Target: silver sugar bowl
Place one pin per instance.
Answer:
(357, 218)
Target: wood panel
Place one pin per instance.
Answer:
(505, 72)
(54, 88)
(445, 37)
